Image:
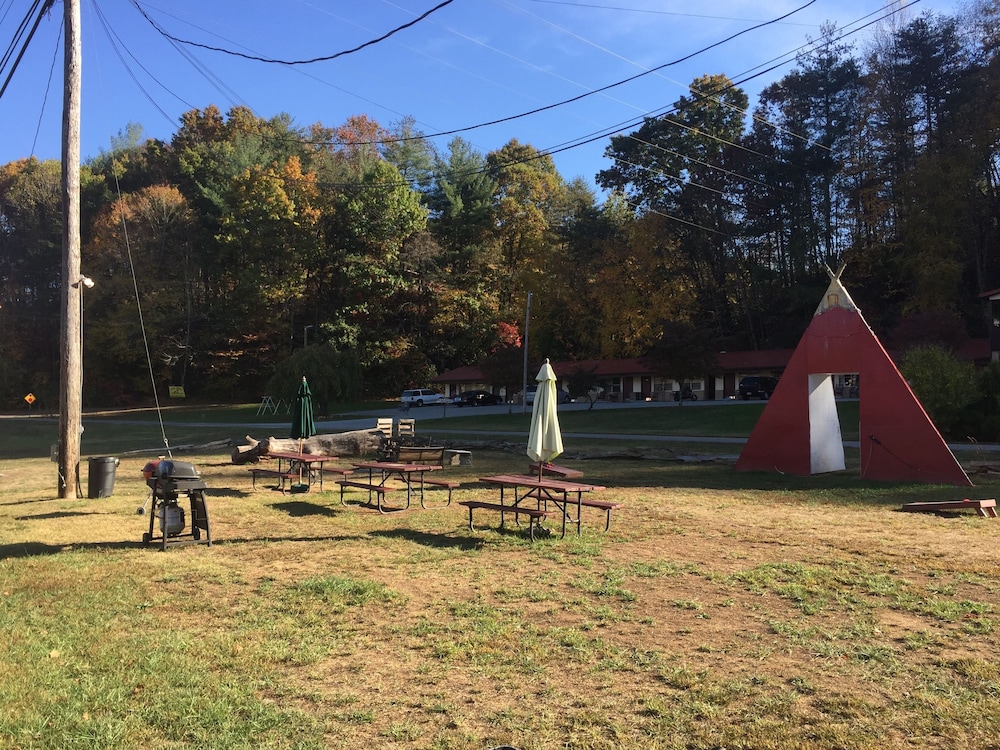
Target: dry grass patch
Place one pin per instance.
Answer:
(721, 610)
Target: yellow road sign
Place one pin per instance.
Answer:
(30, 398)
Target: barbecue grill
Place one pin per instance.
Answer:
(167, 481)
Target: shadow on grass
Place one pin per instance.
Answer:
(56, 514)
(226, 492)
(38, 549)
(441, 541)
(299, 509)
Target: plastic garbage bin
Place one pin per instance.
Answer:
(101, 476)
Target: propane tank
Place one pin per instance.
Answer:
(171, 518)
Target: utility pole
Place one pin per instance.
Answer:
(70, 365)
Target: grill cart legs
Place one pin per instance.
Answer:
(170, 515)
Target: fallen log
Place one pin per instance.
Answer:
(353, 443)
(247, 454)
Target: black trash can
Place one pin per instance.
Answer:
(101, 476)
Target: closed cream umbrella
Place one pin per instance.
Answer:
(545, 437)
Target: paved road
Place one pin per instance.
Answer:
(366, 420)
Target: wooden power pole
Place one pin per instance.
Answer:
(71, 363)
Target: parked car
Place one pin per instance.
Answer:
(477, 398)
(757, 386)
(422, 397)
(562, 396)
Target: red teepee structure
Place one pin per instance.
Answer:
(799, 430)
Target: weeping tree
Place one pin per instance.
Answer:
(334, 377)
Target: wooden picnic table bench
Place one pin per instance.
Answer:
(344, 472)
(606, 505)
(987, 508)
(282, 476)
(449, 484)
(373, 488)
(535, 515)
(420, 454)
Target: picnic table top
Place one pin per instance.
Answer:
(305, 458)
(554, 470)
(543, 482)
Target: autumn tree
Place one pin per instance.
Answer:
(682, 166)
(503, 365)
(147, 295)
(30, 270)
(528, 188)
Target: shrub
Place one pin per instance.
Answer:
(946, 386)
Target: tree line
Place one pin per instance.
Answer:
(217, 256)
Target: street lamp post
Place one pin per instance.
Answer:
(524, 382)
(305, 336)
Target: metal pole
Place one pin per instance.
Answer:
(305, 336)
(524, 382)
(70, 372)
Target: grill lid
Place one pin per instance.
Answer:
(177, 470)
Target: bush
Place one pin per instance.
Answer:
(984, 415)
(947, 387)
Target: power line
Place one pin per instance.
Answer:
(309, 61)
(21, 30)
(48, 87)
(118, 45)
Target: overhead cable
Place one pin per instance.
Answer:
(309, 61)
(27, 40)
(48, 88)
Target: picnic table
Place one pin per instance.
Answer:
(293, 465)
(412, 475)
(564, 494)
(553, 470)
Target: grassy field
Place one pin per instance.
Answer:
(722, 609)
(111, 433)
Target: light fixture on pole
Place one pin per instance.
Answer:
(305, 336)
(524, 382)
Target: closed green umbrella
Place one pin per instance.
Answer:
(545, 437)
(303, 425)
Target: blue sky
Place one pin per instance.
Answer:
(469, 62)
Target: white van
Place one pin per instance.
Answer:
(422, 396)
